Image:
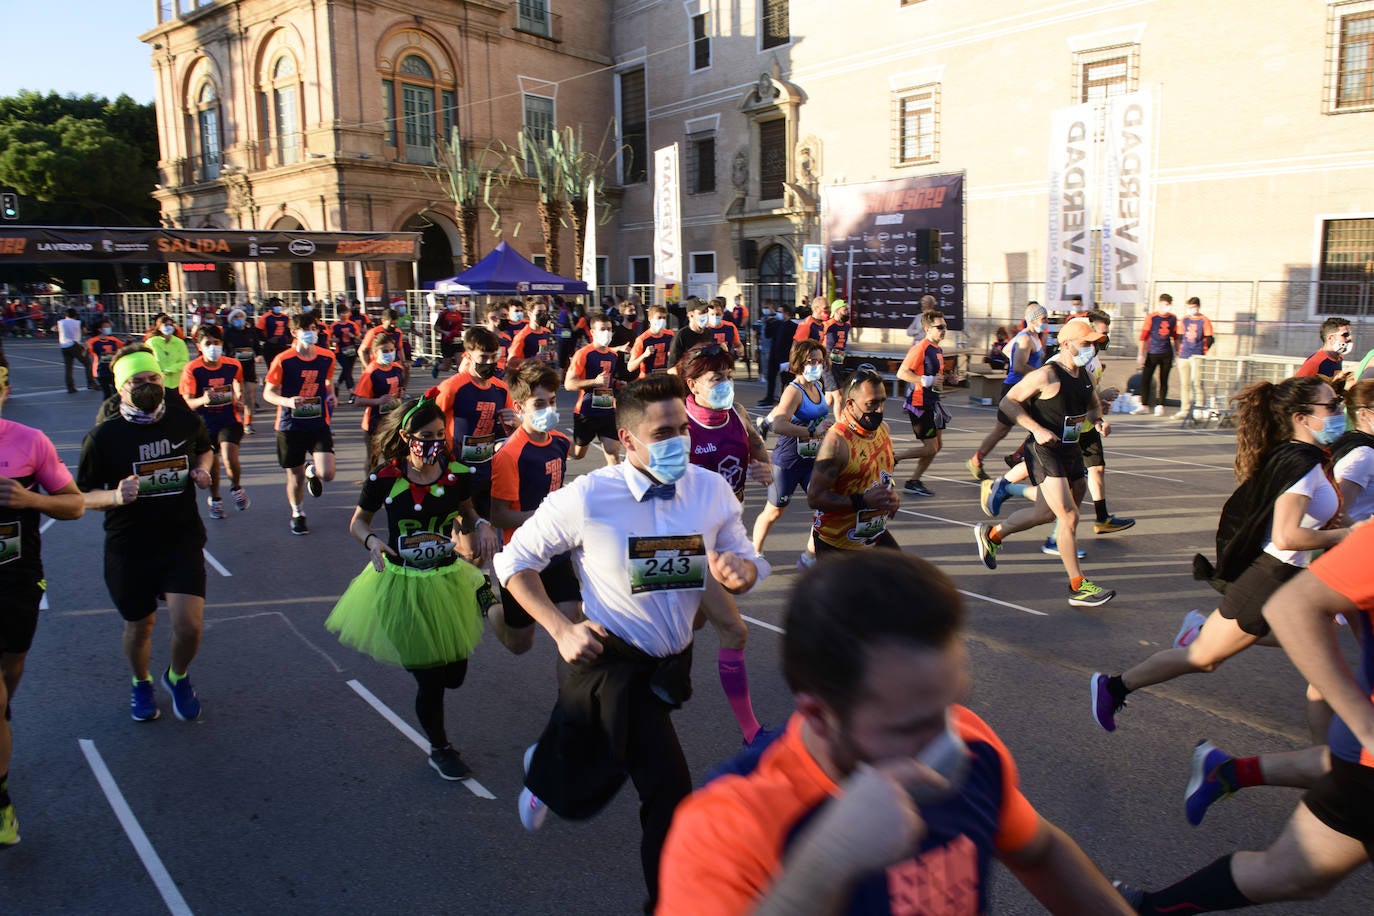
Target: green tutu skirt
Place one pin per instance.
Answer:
(416, 618)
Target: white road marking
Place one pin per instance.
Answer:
(37, 393)
(937, 518)
(176, 904)
(1210, 467)
(991, 600)
(219, 567)
(762, 623)
(291, 626)
(46, 525)
(402, 726)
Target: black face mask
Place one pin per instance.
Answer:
(870, 420)
(147, 397)
(484, 371)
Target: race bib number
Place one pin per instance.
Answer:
(603, 398)
(671, 563)
(808, 449)
(223, 394)
(565, 334)
(162, 476)
(869, 524)
(478, 449)
(1072, 427)
(106, 359)
(10, 547)
(349, 351)
(425, 549)
(307, 409)
(244, 355)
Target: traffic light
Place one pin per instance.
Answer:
(9, 205)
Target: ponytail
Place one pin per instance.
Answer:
(1264, 418)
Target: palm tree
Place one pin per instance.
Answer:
(544, 162)
(467, 180)
(581, 169)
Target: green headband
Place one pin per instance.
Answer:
(405, 419)
(131, 364)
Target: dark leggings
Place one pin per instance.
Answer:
(1162, 362)
(346, 364)
(429, 699)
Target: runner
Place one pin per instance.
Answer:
(650, 352)
(387, 328)
(722, 331)
(841, 813)
(592, 374)
(274, 331)
(695, 333)
(1336, 345)
(531, 465)
(1352, 455)
(924, 370)
(242, 342)
(724, 439)
(631, 656)
(837, 331)
(416, 602)
(380, 391)
(344, 338)
(1052, 403)
(534, 341)
(141, 468)
(1027, 352)
(33, 482)
(813, 326)
(101, 350)
(300, 384)
(478, 410)
(1278, 515)
(801, 420)
(212, 385)
(851, 488)
(166, 342)
(449, 326)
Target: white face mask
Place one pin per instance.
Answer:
(601, 338)
(212, 352)
(1344, 347)
(813, 373)
(656, 325)
(1084, 355)
(544, 419)
(713, 321)
(386, 357)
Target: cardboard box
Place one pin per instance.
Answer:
(985, 388)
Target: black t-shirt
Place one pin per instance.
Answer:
(684, 340)
(162, 454)
(419, 519)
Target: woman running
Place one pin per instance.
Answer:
(416, 604)
(1285, 508)
(1353, 453)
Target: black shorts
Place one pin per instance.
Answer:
(786, 481)
(19, 619)
(1001, 417)
(560, 582)
(884, 541)
(587, 429)
(1245, 597)
(228, 434)
(1090, 442)
(1046, 461)
(294, 445)
(250, 370)
(929, 423)
(450, 350)
(1344, 801)
(138, 576)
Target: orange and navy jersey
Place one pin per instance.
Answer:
(503, 352)
(924, 358)
(870, 461)
(102, 349)
(1320, 363)
(812, 328)
(1197, 330)
(588, 363)
(275, 329)
(378, 381)
(529, 343)
(344, 337)
(472, 413)
(523, 472)
(658, 344)
(1160, 332)
(298, 377)
(1345, 570)
(218, 381)
(727, 335)
(729, 839)
(836, 336)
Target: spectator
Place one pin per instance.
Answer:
(1196, 339)
(1336, 345)
(72, 339)
(1158, 347)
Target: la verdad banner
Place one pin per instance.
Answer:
(1128, 198)
(1072, 197)
(667, 225)
(61, 244)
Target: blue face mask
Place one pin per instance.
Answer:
(813, 373)
(308, 338)
(668, 458)
(721, 396)
(237, 324)
(1332, 429)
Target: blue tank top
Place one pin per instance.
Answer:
(788, 452)
(1034, 361)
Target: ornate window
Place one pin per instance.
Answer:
(778, 276)
(1351, 39)
(279, 114)
(207, 131)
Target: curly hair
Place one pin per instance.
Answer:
(388, 444)
(1264, 418)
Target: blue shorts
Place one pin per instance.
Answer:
(786, 480)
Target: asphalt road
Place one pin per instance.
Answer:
(296, 793)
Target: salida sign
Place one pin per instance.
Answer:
(48, 244)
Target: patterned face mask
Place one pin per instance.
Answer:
(429, 451)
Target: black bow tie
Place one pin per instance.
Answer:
(659, 491)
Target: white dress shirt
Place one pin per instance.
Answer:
(594, 517)
(68, 332)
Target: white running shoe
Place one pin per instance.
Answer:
(1192, 626)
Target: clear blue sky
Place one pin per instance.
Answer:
(77, 46)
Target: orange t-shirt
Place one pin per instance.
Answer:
(1345, 570)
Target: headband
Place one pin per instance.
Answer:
(131, 364)
(428, 397)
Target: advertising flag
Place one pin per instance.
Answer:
(1127, 195)
(1072, 195)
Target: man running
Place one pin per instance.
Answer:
(101, 350)
(300, 383)
(695, 333)
(592, 374)
(241, 341)
(922, 370)
(274, 330)
(1336, 345)
(212, 385)
(721, 330)
(477, 409)
(141, 467)
(650, 351)
(449, 326)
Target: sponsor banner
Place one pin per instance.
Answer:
(884, 255)
(667, 226)
(1127, 197)
(1073, 191)
(49, 244)
(589, 243)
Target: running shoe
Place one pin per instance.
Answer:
(1015, 457)
(1051, 548)
(1134, 896)
(248, 429)
(298, 525)
(449, 764)
(1112, 525)
(216, 507)
(240, 498)
(1192, 626)
(1159, 410)
(976, 469)
(987, 550)
(1205, 785)
(764, 426)
(1105, 706)
(185, 703)
(533, 812)
(312, 480)
(806, 560)
(1090, 595)
(142, 702)
(916, 488)
(1142, 409)
(994, 493)
(9, 827)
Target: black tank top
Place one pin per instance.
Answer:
(1064, 413)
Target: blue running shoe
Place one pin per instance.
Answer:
(1051, 548)
(184, 701)
(1205, 785)
(997, 494)
(142, 702)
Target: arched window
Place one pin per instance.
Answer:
(285, 115)
(427, 110)
(207, 131)
(778, 276)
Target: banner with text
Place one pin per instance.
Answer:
(1127, 196)
(589, 243)
(893, 242)
(1073, 191)
(53, 244)
(667, 228)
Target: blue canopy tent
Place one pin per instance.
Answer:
(505, 272)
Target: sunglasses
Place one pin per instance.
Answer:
(1334, 404)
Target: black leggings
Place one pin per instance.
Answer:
(429, 699)
(346, 364)
(1162, 362)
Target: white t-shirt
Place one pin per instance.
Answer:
(1358, 466)
(68, 332)
(1322, 503)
